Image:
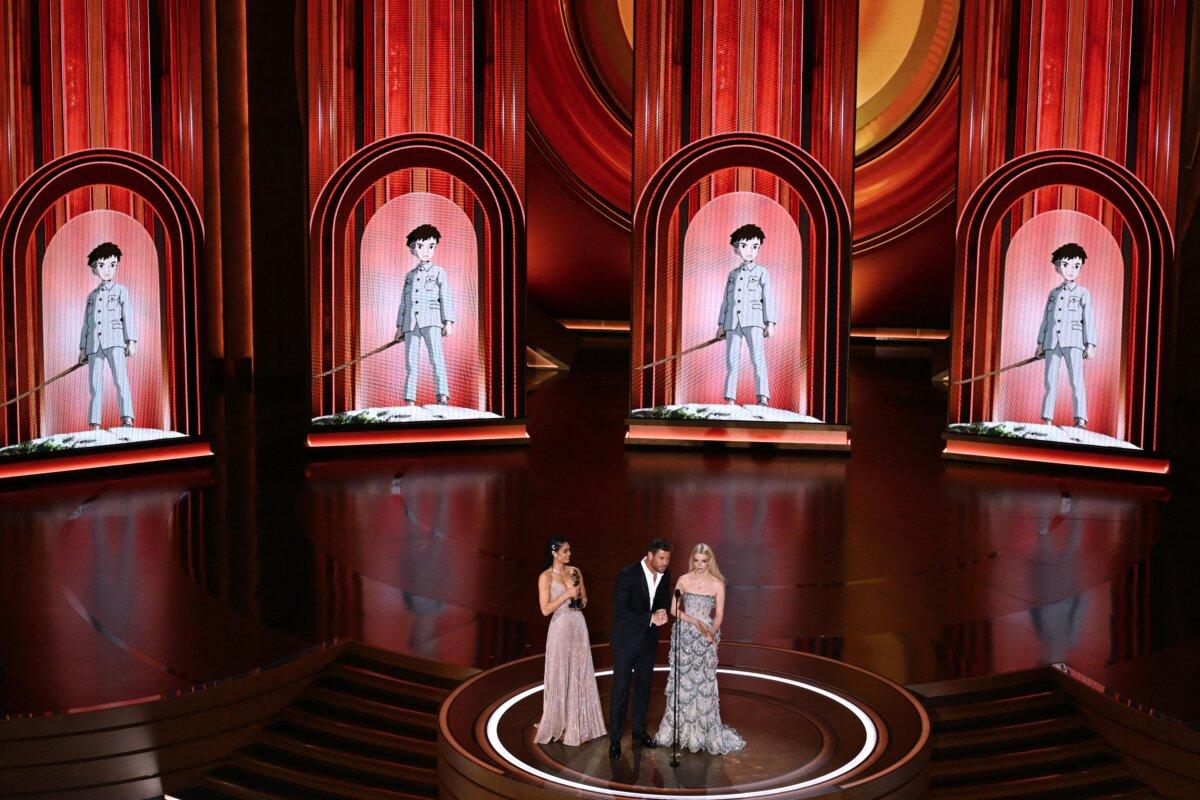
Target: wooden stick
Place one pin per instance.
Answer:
(42, 385)
(682, 353)
(348, 364)
(1029, 360)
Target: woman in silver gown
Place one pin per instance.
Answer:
(697, 628)
(571, 710)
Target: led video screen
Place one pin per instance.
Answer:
(742, 308)
(417, 229)
(1061, 335)
(101, 235)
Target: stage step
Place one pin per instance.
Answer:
(311, 774)
(347, 730)
(335, 755)
(1075, 786)
(364, 728)
(371, 678)
(1019, 736)
(357, 706)
(997, 763)
(999, 710)
(430, 674)
(1070, 727)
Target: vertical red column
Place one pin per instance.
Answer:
(16, 120)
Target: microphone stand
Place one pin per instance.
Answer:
(675, 635)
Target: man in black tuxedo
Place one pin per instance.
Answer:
(640, 602)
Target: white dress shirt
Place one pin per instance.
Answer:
(652, 579)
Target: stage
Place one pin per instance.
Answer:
(813, 726)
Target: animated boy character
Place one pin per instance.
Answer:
(109, 333)
(747, 313)
(1068, 332)
(426, 313)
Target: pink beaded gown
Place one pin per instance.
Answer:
(571, 703)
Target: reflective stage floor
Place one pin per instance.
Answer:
(890, 559)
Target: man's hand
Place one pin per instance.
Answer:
(448, 328)
(659, 618)
(399, 337)
(1040, 352)
(720, 331)
(82, 357)
(769, 330)
(1089, 351)
(131, 348)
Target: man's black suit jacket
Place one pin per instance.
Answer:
(632, 609)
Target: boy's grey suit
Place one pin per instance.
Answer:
(109, 324)
(425, 306)
(1068, 327)
(747, 307)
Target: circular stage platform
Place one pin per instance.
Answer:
(813, 727)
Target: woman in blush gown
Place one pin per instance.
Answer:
(697, 629)
(570, 703)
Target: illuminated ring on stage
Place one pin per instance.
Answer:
(493, 736)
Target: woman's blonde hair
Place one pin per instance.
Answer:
(705, 550)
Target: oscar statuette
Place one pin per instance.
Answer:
(575, 602)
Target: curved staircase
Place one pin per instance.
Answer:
(1019, 735)
(366, 727)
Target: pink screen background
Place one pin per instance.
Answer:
(385, 260)
(707, 261)
(1028, 278)
(66, 282)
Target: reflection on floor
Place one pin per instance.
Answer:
(891, 559)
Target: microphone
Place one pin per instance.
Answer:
(678, 594)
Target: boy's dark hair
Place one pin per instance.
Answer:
(103, 251)
(658, 543)
(1069, 250)
(746, 232)
(422, 232)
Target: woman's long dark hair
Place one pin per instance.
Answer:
(552, 548)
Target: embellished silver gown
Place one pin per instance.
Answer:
(571, 709)
(700, 726)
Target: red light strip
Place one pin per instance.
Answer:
(987, 450)
(899, 334)
(603, 325)
(838, 439)
(491, 433)
(123, 458)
